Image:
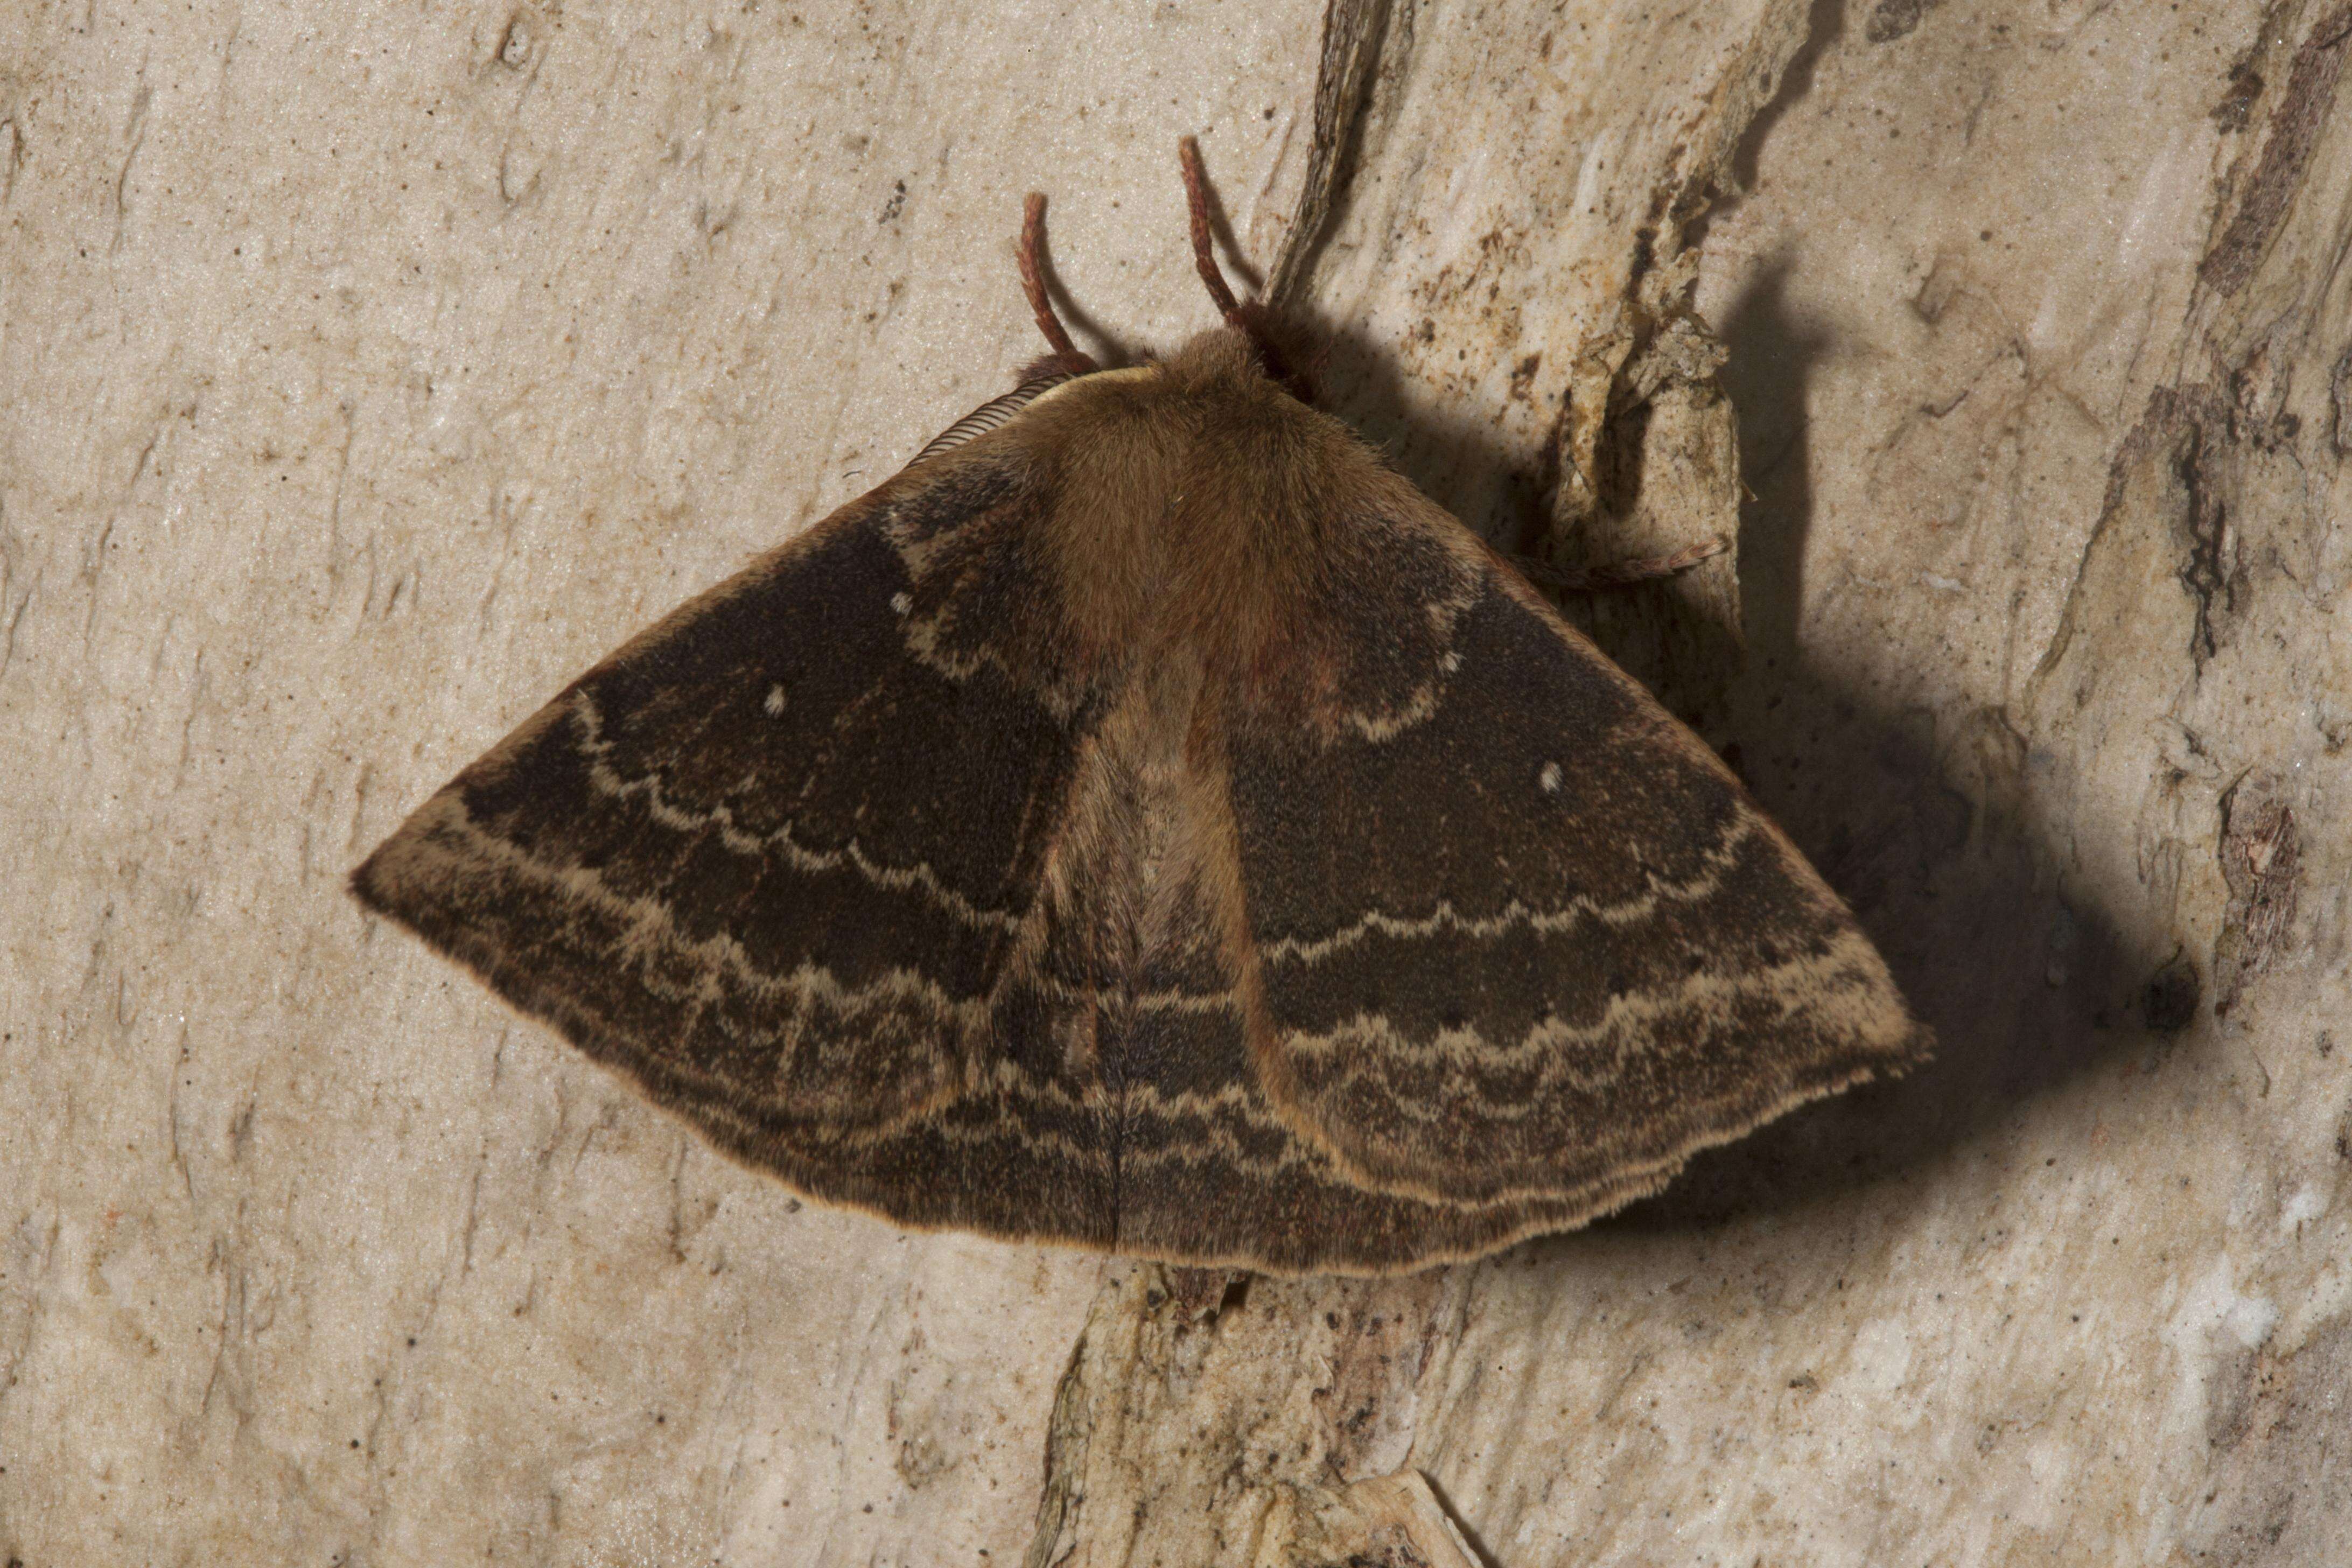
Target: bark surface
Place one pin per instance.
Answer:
(365, 374)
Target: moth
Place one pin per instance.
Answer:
(1147, 822)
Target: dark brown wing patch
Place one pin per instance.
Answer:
(1210, 1173)
(1557, 949)
(717, 864)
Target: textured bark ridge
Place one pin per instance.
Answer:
(1330, 1368)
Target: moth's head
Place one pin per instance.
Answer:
(1276, 355)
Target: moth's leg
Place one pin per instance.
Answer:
(1617, 573)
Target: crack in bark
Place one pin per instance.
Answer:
(2295, 128)
(1354, 32)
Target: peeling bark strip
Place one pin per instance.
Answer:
(2294, 129)
(1274, 1433)
(2206, 569)
(2340, 404)
(2262, 859)
(1642, 459)
(2183, 433)
(1388, 1521)
(1354, 34)
(1059, 1499)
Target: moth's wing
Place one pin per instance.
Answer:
(783, 860)
(1518, 934)
(1212, 1170)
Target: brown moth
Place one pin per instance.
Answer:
(1147, 822)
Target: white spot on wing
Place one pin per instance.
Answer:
(901, 604)
(1549, 780)
(775, 702)
(1450, 663)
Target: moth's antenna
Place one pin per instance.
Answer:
(1252, 318)
(1032, 283)
(1205, 256)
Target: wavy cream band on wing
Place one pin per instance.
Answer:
(1062, 698)
(721, 821)
(1218, 1141)
(720, 1109)
(1809, 983)
(923, 637)
(1218, 1146)
(1233, 1100)
(1390, 722)
(1187, 1002)
(1445, 612)
(654, 932)
(1634, 910)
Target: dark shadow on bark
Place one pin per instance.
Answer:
(2024, 989)
(1772, 352)
(1922, 833)
(1460, 464)
(1824, 27)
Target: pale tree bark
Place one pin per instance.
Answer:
(367, 374)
